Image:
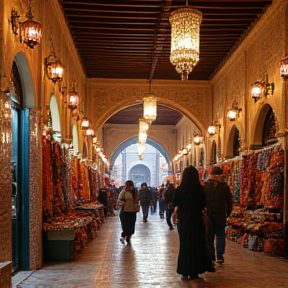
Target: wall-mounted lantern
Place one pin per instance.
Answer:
(284, 67)
(198, 139)
(234, 111)
(213, 128)
(142, 137)
(260, 88)
(90, 132)
(85, 123)
(54, 68)
(30, 30)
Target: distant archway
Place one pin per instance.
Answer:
(134, 140)
(139, 174)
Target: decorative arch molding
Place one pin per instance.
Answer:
(145, 171)
(26, 80)
(31, 227)
(213, 159)
(134, 140)
(110, 96)
(75, 138)
(55, 115)
(233, 142)
(257, 139)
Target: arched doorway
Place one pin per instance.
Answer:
(75, 140)
(21, 96)
(139, 174)
(233, 144)
(55, 119)
(125, 157)
(265, 129)
(213, 153)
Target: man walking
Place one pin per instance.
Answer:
(219, 207)
(145, 199)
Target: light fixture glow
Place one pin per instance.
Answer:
(142, 137)
(284, 67)
(257, 89)
(54, 68)
(150, 107)
(234, 111)
(212, 129)
(198, 139)
(30, 30)
(90, 132)
(85, 123)
(185, 30)
(144, 124)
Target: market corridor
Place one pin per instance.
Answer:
(150, 261)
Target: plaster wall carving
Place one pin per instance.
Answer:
(106, 97)
(259, 53)
(115, 134)
(264, 58)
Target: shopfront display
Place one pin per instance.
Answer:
(257, 183)
(71, 214)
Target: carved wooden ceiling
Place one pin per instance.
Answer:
(131, 39)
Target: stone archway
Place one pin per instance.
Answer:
(55, 118)
(233, 143)
(75, 138)
(30, 153)
(26, 79)
(140, 173)
(213, 159)
(134, 140)
(258, 140)
(106, 97)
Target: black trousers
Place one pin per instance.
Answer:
(128, 220)
(169, 211)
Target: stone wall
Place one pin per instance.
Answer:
(36, 96)
(259, 53)
(5, 182)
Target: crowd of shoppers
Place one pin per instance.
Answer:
(199, 212)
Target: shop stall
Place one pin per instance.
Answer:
(257, 183)
(72, 216)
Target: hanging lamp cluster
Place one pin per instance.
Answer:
(149, 115)
(185, 43)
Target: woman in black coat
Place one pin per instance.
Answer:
(189, 205)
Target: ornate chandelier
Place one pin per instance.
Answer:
(185, 28)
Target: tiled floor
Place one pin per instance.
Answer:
(150, 261)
